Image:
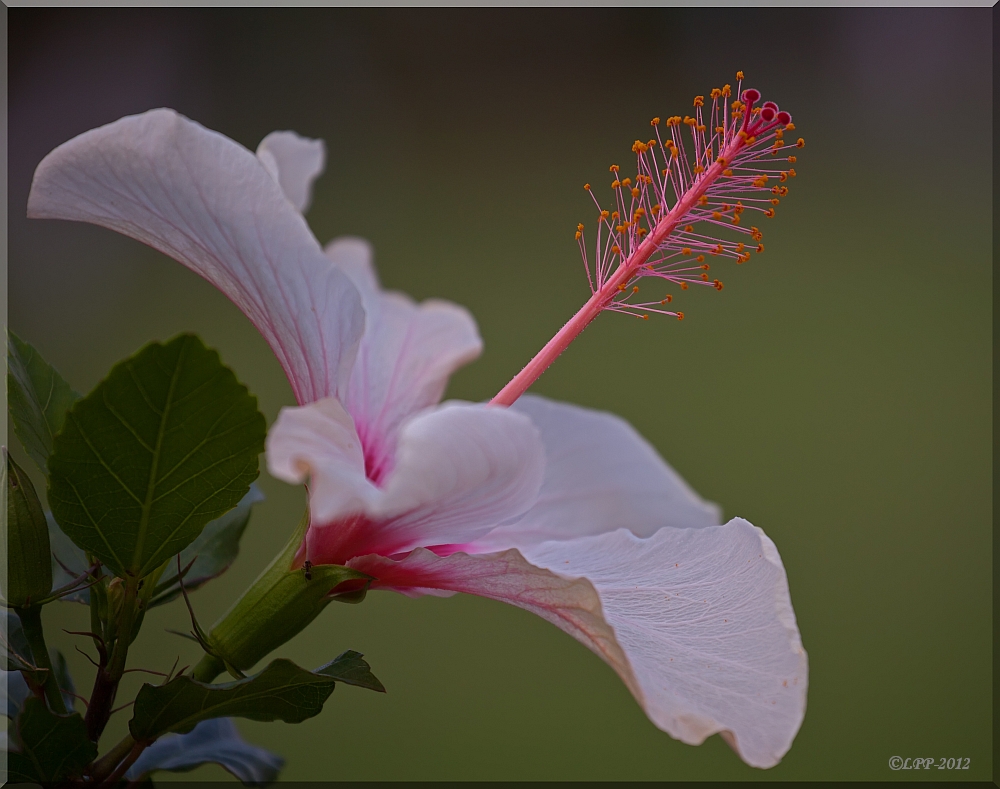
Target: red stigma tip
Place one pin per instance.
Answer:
(769, 104)
(767, 114)
(750, 95)
(784, 118)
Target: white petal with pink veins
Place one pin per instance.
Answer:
(210, 204)
(294, 162)
(318, 443)
(571, 604)
(705, 618)
(459, 470)
(406, 356)
(600, 476)
(697, 622)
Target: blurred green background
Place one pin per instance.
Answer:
(837, 393)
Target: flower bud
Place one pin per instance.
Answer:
(29, 559)
(116, 598)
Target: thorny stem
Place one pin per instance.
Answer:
(519, 384)
(31, 624)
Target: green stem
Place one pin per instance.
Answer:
(31, 624)
(102, 698)
(119, 773)
(123, 630)
(208, 668)
(107, 763)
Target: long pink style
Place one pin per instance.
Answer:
(706, 193)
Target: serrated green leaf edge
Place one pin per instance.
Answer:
(68, 504)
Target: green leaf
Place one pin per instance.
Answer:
(63, 678)
(212, 553)
(350, 669)
(53, 747)
(16, 650)
(38, 399)
(14, 691)
(282, 691)
(26, 537)
(215, 741)
(167, 442)
(69, 562)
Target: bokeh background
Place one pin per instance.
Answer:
(837, 393)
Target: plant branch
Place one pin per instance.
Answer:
(112, 667)
(107, 763)
(122, 768)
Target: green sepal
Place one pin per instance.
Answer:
(282, 691)
(276, 610)
(52, 747)
(164, 444)
(278, 606)
(26, 537)
(38, 399)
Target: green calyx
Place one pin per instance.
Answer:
(29, 563)
(278, 606)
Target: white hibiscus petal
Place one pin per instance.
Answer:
(600, 476)
(354, 256)
(209, 203)
(318, 443)
(697, 622)
(571, 604)
(460, 469)
(406, 357)
(294, 162)
(705, 618)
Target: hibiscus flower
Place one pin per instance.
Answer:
(560, 510)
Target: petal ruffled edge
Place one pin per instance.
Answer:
(698, 623)
(706, 620)
(294, 162)
(318, 443)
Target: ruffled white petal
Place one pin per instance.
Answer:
(406, 357)
(600, 476)
(697, 622)
(209, 203)
(705, 619)
(318, 443)
(294, 162)
(459, 470)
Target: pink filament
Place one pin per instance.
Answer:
(519, 384)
